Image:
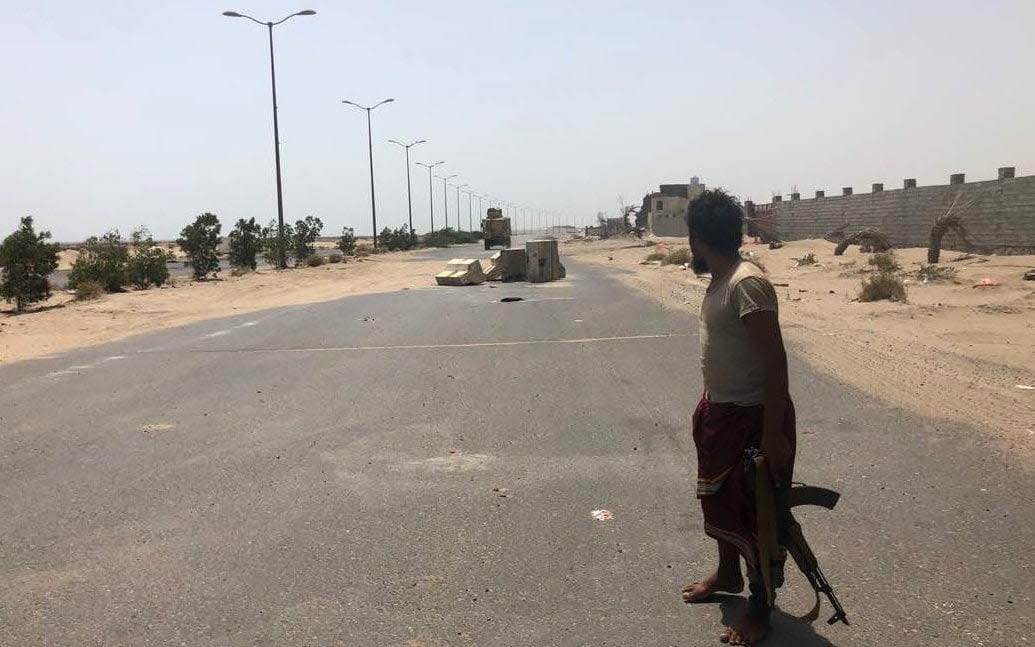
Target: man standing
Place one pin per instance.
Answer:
(745, 404)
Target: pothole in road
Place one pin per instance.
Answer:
(510, 299)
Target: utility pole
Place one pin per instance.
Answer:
(409, 194)
(370, 151)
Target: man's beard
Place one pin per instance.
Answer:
(699, 265)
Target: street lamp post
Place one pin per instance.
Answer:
(431, 193)
(282, 260)
(470, 216)
(409, 195)
(459, 226)
(370, 152)
(445, 195)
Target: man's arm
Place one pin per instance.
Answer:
(763, 328)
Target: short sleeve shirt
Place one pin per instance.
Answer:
(733, 370)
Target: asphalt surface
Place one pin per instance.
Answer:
(419, 468)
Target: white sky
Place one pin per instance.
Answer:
(124, 113)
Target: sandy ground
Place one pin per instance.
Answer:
(63, 324)
(952, 352)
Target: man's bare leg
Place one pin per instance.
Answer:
(727, 578)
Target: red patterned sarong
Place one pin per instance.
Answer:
(722, 433)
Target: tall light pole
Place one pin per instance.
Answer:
(409, 195)
(459, 225)
(445, 195)
(470, 215)
(282, 260)
(481, 214)
(370, 152)
(431, 193)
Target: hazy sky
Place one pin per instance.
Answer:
(125, 113)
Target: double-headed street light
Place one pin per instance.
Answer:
(431, 192)
(282, 259)
(370, 151)
(409, 198)
(445, 194)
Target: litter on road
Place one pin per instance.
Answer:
(602, 515)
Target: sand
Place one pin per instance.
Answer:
(64, 324)
(954, 353)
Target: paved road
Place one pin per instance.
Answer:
(334, 474)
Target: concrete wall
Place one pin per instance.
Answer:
(999, 214)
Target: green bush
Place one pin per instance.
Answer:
(26, 259)
(396, 239)
(272, 244)
(882, 285)
(347, 242)
(314, 260)
(677, 256)
(885, 262)
(200, 242)
(335, 257)
(303, 240)
(147, 267)
(449, 236)
(656, 256)
(245, 241)
(103, 260)
(89, 289)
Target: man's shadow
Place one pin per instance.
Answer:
(785, 632)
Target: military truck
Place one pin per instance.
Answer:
(496, 229)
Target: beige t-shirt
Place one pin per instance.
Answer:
(733, 370)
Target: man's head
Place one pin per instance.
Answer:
(716, 227)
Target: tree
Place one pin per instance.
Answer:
(245, 240)
(303, 241)
(347, 242)
(272, 243)
(200, 241)
(147, 264)
(102, 260)
(25, 260)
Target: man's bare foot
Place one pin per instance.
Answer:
(750, 629)
(714, 583)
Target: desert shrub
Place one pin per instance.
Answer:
(449, 236)
(885, 262)
(272, 244)
(656, 256)
(347, 242)
(335, 257)
(395, 239)
(245, 241)
(364, 249)
(882, 285)
(147, 262)
(147, 267)
(677, 256)
(103, 260)
(200, 242)
(314, 260)
(928, 273)
(806, 260)
(303, 239)
(26, 258)
(88, 290)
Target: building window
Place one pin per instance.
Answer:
(660, 205)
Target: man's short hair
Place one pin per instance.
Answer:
(715, 218)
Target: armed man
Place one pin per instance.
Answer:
(745, 407)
